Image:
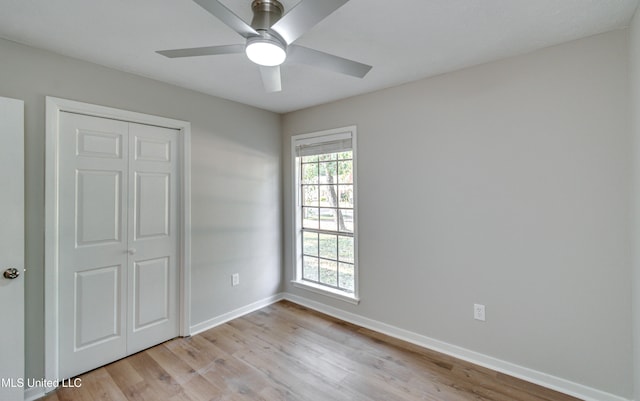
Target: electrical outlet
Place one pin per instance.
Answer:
(478, 312)
(235, 279)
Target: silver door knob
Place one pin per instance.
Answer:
(132, 251)
(11, 273)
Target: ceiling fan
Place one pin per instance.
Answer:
(270, 36)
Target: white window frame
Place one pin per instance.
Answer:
(313, 138)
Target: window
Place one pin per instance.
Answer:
(325, 212)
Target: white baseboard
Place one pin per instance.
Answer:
(218, 320)
(530, 375)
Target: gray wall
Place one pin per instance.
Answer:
(506, 184)
(236, 192)
(634, 106)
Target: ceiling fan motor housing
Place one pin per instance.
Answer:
(265, 14)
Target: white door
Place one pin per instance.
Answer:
(117, 240)
(11, 249)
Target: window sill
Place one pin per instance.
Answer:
(329, 292)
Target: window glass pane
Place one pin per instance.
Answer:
(328, 156)
(345, 249)
(345, 172)
(345, 196)
(329, 272)
(329, 195)
(309, 159)
(328, 219)
(310, 268)
(329, 246)
(309, 173)
(346, 276)
(327, 172)
(310, 195)
(342, 223)
(345, 155)
(310, 217)
(347, 217)
(310, 243)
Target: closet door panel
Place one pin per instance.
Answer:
(153, 263)
(92, 257)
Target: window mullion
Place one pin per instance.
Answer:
(337, 260)
(319, 231)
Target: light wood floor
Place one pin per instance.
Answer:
(287, 352)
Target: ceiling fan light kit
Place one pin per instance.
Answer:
(270, 36)
(265, 50)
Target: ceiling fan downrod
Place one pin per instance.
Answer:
(265, 13)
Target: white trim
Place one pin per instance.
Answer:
(316, 137)
(511, 369)
(328, 291)
(51, 242)
(185, 234)
(234, 314)
(33, 393)
(53, 108)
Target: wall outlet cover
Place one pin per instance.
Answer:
(478, 312)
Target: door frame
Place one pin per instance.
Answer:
(54, 106)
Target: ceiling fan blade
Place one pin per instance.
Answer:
(228, 17)
(304, 16)
(202, 51)
(271, 78)
(315, 58)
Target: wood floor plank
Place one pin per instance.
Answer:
(74, 394)
(362, 359)
(155, 377)
(288, 352)
(200, 389)
(177, 368)
(102, 387)
(236, 378)
(190, 354)
(123, 374)
(298, 351)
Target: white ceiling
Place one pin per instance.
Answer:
(403, 40)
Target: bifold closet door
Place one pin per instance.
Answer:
(117, 271)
